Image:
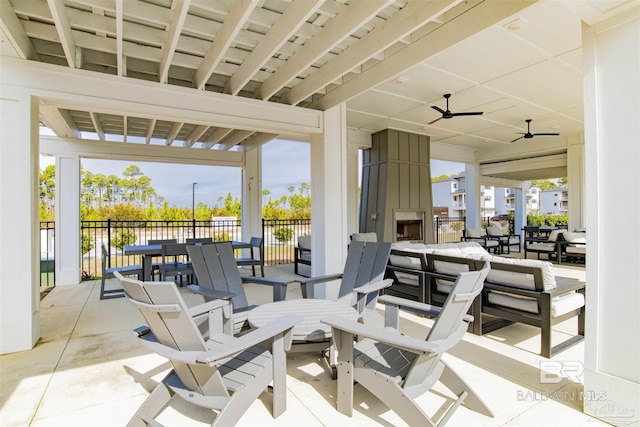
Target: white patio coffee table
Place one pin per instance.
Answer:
(310, 334)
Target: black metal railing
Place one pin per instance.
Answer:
(448, 229)
(47, 260)
(118, 234)
(279, 237)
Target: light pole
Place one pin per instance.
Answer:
(193, 200)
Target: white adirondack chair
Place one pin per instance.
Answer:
(398, 368)
(224, 373)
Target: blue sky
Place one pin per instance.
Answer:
(285, 163)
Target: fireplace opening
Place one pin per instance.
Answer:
(409, 226)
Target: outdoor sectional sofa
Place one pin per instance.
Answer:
(559, 246)
(524, 291)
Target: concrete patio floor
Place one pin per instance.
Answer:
(89, 370)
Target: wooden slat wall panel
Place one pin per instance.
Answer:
(396, 177)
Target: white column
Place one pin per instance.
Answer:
(575, 177)
(252, 195)
(67, 248)
(353, 202)
(329, 231)
(611, 60)
(520, 213)
(473, 193)
(19, 223)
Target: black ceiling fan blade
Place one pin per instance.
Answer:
(468, 113)
(433, 121)
(517, 139)
(546, 134)
(438, 109)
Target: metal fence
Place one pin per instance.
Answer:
(448, 229)
(115, 235)
(47, 262)
(279, 237)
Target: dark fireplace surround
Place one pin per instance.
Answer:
(396, 200)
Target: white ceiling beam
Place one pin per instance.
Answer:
(236, 138)
(150, 128)
(14, 33)
(139, 152)
(217, 136)
(175, 28)
(556, 162)
(173, 133)
(119, 32)
(292, 19)
(414, 15)
(500, 182)
(195, 134)
(258, 140)
(336, 30)
(64, 30)
(468, 19)
(57, 122)
(125, 129)
(95, 119)
(103, 93)
(232, 25)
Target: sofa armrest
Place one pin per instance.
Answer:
(565, 285)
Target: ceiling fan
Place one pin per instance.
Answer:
(529, 135)
(448, 114)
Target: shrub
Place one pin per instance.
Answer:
(283, 234)
(221, 237)
(123, 238)
(86, 244)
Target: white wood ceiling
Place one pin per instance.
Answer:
(390, 61)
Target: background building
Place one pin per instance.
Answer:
(554, 201)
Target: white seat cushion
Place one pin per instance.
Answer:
(542, 247)
(304, 242)
(473, 232)
(559, 305)
(576, 250)
(494, 231)
(522, 280)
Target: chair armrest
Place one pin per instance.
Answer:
(422, 308)
(281, 325)
(373, 287)
(209, 306)
(279, 285)
(320, 279)
(419, 307)
(267, 280)
(210, 292)
(387, 336)
(565, 285)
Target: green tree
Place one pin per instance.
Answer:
(86, 244)
(563, 181)
(543, 184)
(439, 178)
(283, 234)
(232, 206)
(47, 186)
(123, 238)
(300, 202)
